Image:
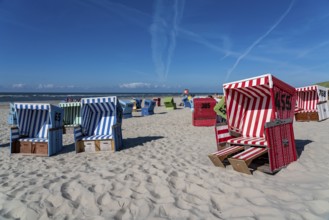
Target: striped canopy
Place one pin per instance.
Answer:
(309, 96)
(72, 112)
(33, 106)
(69, 104)
(98, 115)
(33, 119)
(250, 102)
(265, 80)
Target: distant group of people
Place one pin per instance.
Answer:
(70, 99)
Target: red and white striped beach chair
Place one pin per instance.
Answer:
(312, 103)
(261, 109)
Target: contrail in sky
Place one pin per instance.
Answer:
(258, 40)
(164, 29)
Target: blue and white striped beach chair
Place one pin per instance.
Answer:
(12, 117)
(100, 128)
(39, 129)
(127, 108)
(148, 108)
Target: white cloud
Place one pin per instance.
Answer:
(18, 85)
(135, 85)
(45, 86)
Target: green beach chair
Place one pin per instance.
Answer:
(169, 103)
(220, 108)
(72, 115)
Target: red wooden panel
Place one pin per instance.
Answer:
(204, 114)
(284, 103)
(281, 146)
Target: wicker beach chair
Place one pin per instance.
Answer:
(72, 115)
(127, 108)
(148, 108)
(260, 114)
(100, 128)
(39, 129)
(312, 103)
(169, 103)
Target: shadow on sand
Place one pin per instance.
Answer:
(300, 145)
(134, 142)
(67, 149)
(5, 145)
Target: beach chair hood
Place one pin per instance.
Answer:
(98, 114)
(252, 102)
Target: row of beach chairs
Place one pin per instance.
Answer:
(39, 127)
(95, 123)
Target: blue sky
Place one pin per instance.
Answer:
(160, 45)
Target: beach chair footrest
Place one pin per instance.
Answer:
(218, 157)
(240, 162)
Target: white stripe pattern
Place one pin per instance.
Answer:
(98, 117)
(33, 120)
(97, 137)
(33, 139)
(248, 153)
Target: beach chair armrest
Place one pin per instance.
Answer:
(77, 133)
(14, 133)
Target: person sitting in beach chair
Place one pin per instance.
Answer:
(39, 129)
(261, 128)
(100, 128)
(169, 103)
(148, 108)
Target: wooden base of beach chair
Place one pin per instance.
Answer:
(30, 148)
(95, 146)
(218, 157)
(307, 116)
(240, 162)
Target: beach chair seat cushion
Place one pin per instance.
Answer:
(218, 157)
(33, 139)
(97, 137)
(254, 141)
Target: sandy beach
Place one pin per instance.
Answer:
(163, 173)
